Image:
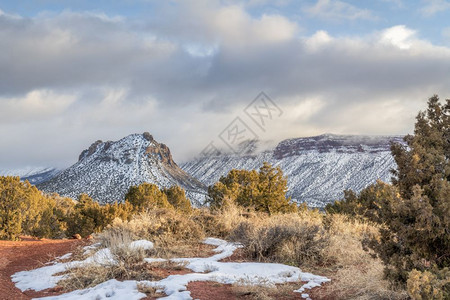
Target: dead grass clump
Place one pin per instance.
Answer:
(87, 276)
(345, 241)
(165, 223)
(326, 245)
(286, 239)
(363, 281)
(262, 291)
(150, 291)
(221, 222)
(127, 263)
(355, 272)
(169, 265)
(172, 232)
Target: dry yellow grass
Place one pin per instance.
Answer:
(263, 291)
(328, 245)
(173, 233)
(150, 291)
(288, 238)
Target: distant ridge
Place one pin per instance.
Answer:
(34, 175)
(319, 168)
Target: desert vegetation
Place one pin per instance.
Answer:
(390, 241)
(329, 245)
(414, 211)
(24, 210)
(263, 190)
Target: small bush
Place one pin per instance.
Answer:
(88, 216)
(221, 222)
(128, 263)
(429, 285)
(172, 232)
(286, 239)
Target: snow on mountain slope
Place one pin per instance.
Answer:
(106, 170)
(34, 175)
(318, 168)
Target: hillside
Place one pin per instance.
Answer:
(106, 170)
(34, 175)
(318, 168)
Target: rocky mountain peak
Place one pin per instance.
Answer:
(106, 170)
(148, 136)
(90, 150)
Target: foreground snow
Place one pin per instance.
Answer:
(175, 286)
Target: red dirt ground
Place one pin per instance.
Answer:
(28, 254)
(206, 290)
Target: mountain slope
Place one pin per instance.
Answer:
(318, 168)
(106, 170)
(33, 175)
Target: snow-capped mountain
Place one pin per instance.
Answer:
(318, 168)
(106, 170)
(34, 175)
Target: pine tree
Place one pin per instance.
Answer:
(419, 226)
(414, 213)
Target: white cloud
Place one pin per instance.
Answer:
(318, 40)
(35, 105)
(76, 78)
(338, 10)
(399, 36)
(434, 6)
(235, 26)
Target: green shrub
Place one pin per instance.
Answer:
(263, 191)
(176, 196)
(429, 285)
(374, 202)
(26, 210)
(88, 216)
(146, 196)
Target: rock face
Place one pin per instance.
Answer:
(106, 170)
(318, 168)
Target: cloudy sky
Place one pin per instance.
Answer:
(72, 72)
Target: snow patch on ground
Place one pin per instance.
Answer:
(111, 289)
(141, 244)
(174, 286)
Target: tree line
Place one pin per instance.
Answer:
(25, 210)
